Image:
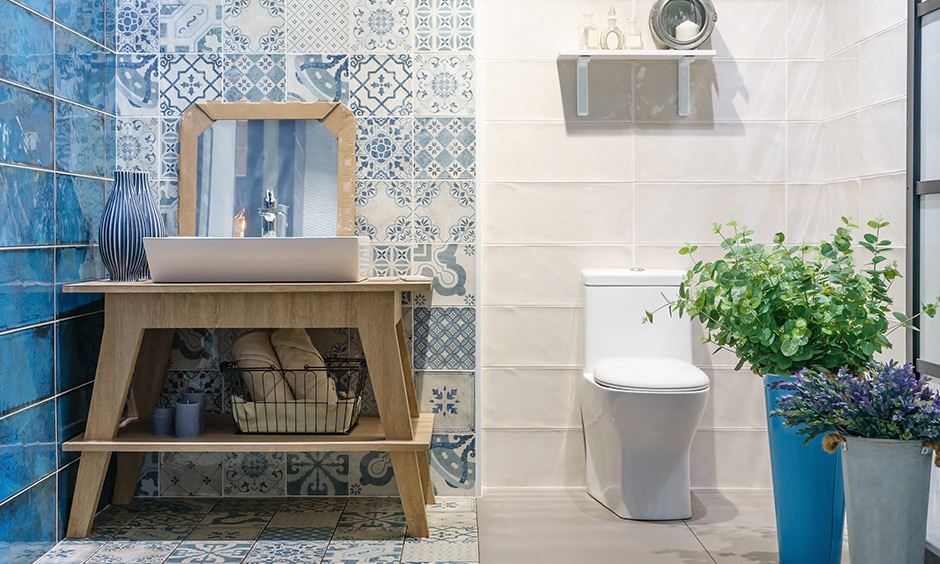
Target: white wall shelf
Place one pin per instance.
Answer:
(684, 58)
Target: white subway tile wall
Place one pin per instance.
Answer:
(797, 122)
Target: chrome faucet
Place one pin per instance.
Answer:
(273, 216)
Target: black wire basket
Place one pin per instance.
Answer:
(313, 400)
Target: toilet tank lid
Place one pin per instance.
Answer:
(649, 373)
(631, 277)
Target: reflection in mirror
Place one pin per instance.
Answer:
(239, 160)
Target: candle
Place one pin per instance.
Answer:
(687, 30)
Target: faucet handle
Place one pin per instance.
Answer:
(270, 200)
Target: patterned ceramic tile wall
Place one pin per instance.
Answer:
(406, 68)
(56, 156)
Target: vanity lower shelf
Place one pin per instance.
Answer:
(135, 435)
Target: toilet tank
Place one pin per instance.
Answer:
(615, 302)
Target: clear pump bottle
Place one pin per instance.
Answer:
(612, 39)
(588, 37)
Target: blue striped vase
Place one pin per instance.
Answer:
(120, 234)
(153, 221)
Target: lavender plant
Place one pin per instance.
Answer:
(887, 401)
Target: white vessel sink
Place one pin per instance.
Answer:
(256, 259)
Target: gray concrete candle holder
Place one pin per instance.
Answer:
(164, 421)
(200, 398)
(187, 419)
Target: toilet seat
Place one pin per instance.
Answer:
(650, 374)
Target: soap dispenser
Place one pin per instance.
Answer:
(612, 39)
(587, 33)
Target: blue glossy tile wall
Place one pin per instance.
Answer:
(26, 368)
(28, 523)
(57, 96)
(407, 69)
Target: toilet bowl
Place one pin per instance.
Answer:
(641, 398)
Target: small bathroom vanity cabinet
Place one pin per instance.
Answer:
(140, 320)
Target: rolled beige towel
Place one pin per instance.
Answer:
(253, 351)
(295, 351)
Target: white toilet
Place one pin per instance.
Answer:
(641, 398)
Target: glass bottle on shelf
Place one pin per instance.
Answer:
(631, 38)
(588, 37)
(612, 39)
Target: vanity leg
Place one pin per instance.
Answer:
(381, 342)
(406, 368)
(408, 476)
(119, 346)
(145, 394)
(424, 469)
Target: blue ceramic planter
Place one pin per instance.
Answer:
(808, 497)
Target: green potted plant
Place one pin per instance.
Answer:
(888, 421)
(783, 308)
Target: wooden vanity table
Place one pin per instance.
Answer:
(140, 320)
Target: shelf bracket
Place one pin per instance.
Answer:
(684, 86)
(582, 82)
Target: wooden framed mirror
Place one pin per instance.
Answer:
(232, 152)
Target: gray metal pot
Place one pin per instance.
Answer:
(887, 486)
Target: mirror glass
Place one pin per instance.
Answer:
(239, 160)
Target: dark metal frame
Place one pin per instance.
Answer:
(916, 188)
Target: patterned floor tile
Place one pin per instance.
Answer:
(452, 267)
(254, 26)
(444, 338)
(384, 148)
(449, 396)
(457, 544)
(445, 211)
(71, 552)
(381, 85)
(209, 552)
(137, 85)
(228, 533)
(138, 552)
(319, 534)
(316, 78)
(187, 79)
(371, 519)
(255, 78)
(449, 519)
(444, 25)
(137, 26)
(384, 211)
(361, 552)
(454, 505)
(190, 26)
(391, 260)
(453, 464)
(381, 25)
(444, 85)
(446, 148)
(154, 530)
(318, 27)
(120, 515)
(280, 552)
(371, 474)
(136, 144)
